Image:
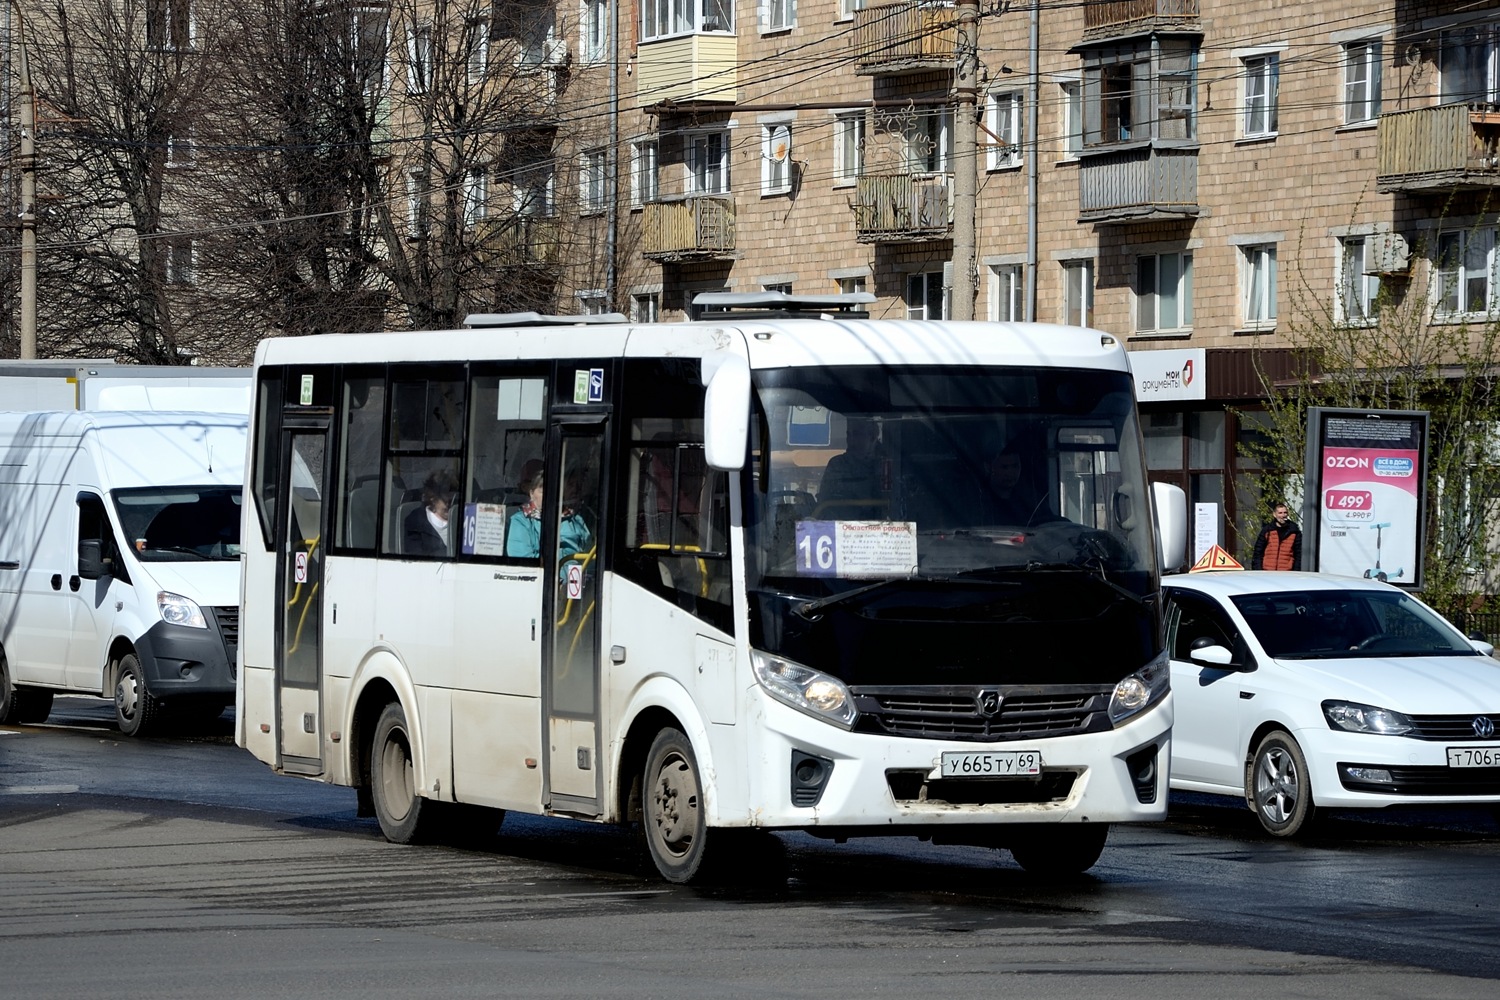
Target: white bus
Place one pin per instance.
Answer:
(715, 637)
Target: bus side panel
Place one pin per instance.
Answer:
(493, 737)
(435, 705)
(661, 670)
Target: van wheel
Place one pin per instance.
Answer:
(1062, 850)
(405, 817)
(21, 705)
(136, 710)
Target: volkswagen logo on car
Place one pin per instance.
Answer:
(1484, 727)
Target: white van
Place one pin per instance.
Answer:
(119, 561)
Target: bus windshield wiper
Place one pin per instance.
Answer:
(810, 609)
(1087, 571)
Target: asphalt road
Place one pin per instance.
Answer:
(184, 868)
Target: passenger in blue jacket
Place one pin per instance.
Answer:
(523, 538)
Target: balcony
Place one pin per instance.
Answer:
(688, 69)
(519, 241)
(1142, 182)
(1452, 147)
(1117, 18)
(902, 208)
(904, 38)
(700, 227)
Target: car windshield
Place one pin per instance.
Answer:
(1347, 624)
(886, 504)
(184, 523)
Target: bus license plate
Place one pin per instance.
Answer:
(991, 764)
(1474, 756)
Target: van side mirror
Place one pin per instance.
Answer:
(91, 565)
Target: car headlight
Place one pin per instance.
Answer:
(178, 610)
(805, 689)
(1141, 690)
(1353, 717)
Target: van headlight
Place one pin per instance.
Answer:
(805, 689)
(1141, 690)
(178, 610)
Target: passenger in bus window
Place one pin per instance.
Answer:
(523, 536)
(1008, 494)
(860, 472)
(426, 530)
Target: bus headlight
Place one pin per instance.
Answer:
(805, 689)
(178, 610)
(1140, 690)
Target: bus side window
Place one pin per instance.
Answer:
(422, 463)
(359, 451)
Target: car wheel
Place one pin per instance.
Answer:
(136, 710)
(405, 817)
(21, 705)
(1060, 850)
(672, 817)
(1278, 787)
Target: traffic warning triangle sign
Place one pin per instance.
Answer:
(1215, 558)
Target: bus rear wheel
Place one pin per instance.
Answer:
(405, 816)
(672, 818)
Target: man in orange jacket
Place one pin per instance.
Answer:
(1279, 544)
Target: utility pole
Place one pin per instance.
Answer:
(28, 198)
(965, 157)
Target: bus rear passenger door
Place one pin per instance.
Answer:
(571, 662)
(299, 640)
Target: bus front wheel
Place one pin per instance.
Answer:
(402, 813)
(672, 817)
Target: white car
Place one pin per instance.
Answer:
(1300, 691)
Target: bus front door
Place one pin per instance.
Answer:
(299, 590)
(571, 661)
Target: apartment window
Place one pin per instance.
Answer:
(848, 146)
(1466, 271)
(418, 58)
(1469, 65)
(1072, 108)
(179, 150)
(1164, 292)
(848, 7)
(532, 188)
(928, 135)
(708, 163)
(368, 30)
(664, 18)
(1359, 291)
(784, 287)
(779, 14)
(1007, 293)
(1361, 81)
(416, 203)
(170, 25)
(1261, 85)
(592, 302)
(593, 43)
(592, 196)
(1258, 285)
(479, 49)
(645, 307)
(850, 286)
(1143, 90)
(1004, 124)
(181, 261)
(476, 196)
(775, 159)
(926, 298)
(1078, 292)
(643, 164)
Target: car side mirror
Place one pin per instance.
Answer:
(91, 565)
(1212, 655)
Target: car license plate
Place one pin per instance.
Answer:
(992, 764)
(1474, 756)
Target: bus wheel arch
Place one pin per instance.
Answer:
(371, 702)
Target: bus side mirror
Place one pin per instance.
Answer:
(1170, 505)
(91, 559)
(726, 411)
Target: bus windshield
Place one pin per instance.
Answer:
(941, 525)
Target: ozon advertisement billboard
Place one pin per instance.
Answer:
(1368, 467)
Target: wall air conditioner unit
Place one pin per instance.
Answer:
(1387, 255)
(555, 52)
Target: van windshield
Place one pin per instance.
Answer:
(181, 522)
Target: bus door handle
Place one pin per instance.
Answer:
(74, 582)
(57, 581)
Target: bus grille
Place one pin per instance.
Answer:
(1448, 728)
(971, 713)
(229, 630)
